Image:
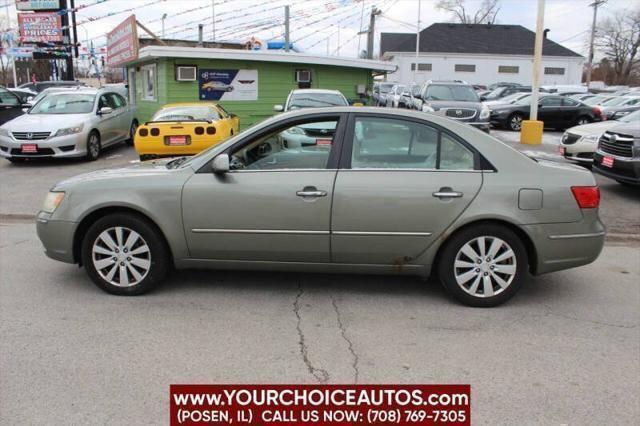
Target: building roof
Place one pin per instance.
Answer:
(472, 38)
(154, 52)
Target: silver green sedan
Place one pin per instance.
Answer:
(389, 191)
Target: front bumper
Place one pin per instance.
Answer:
(56, 237)
(625, 169)
(61, 146)
(581, 152)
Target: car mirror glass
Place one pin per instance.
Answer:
(220, 164)
(105, 110)
(278, 108)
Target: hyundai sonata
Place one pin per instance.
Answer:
(393, 192)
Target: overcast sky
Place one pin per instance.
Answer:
(318, 26)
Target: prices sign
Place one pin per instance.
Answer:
(122, 43)
(42, 27)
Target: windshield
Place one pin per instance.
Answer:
(386, 88)
(495, 93)
(316, 100)
(441, 92)
(525, 100)
(65, 103)
(596, 100)
(632, 117)
(615, 101)
(186, 113)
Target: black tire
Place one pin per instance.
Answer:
(145, 157)
(16, 159)
(512, 121)
(132, 132)
(159, 257)
(93, 146)
(583, 119)
(447, 270)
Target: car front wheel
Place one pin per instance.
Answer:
(124, 254)
(93, 146)
(483, 266)
(515, 122)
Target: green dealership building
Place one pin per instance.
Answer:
(245, 82)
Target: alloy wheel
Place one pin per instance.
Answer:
(121, 256)
(516, 122)
(583, 121)
(485, 266)
(94, 146)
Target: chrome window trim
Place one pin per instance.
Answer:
(281, 170)
(571, 236)
(379, 169)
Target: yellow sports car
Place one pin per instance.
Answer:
(184, 129)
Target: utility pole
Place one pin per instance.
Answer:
(286, 28)
(415, 69)
(372, 30)
(537, 61)
(213, 20)
(164, 16)
(13, 58)
(66, 41)
(595, 6)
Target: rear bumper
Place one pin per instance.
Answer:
(157, 147)
(566, 245)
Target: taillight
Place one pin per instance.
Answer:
(211, 130)
(587, 197)
(143, 132)
(199, 130)
(155, 131)
(597, 111)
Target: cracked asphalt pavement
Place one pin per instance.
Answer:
(565, 350)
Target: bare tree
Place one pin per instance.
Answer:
(486, 13)
(618, 38)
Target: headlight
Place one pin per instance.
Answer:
(296, 131)
(590, 138)
(69, 130)
(4, 132)
(52, 201)
(427, 108)
(484, 113)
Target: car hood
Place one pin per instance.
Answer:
(592, 128)
(44, 122)
(631, 129)
(453, 104)
(126, 174)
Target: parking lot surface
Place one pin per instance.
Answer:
(565, 350)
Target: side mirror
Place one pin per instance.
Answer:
(29, 99)
(105, 110)
(278, 108)
(220, 164)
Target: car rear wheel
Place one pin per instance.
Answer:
(515, 122)
(483, 266)
(582, 120)
(93, 146)
(124, 254)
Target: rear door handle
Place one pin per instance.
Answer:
(311, 191)
(447, 192)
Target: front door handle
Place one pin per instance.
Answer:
(447, 192)
(311, 191)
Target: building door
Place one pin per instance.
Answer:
(131, 78)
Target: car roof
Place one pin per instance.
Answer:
(296, 91)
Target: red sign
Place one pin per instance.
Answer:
(607, 161)
(320, 404)
(122, 43)
(40, 27)
(29, 147)
(177, 140)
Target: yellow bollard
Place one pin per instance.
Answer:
(531, 132)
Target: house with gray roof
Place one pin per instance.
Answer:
(478, 54)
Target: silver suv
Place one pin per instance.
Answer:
(456, 100)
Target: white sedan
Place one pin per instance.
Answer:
(580, 142)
